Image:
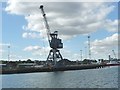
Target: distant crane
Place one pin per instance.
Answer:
(114, 54)
(8, 53)
(54, 42)
(89, 47)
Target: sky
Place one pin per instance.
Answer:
(24, 31)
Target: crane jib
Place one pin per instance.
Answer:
(46, 23)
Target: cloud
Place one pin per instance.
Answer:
(105, 46)
(111, 26)
(37, 51)
(4, 52)
(1, 52)
(1, 48)
(67, 54)
(99, 49)
(30, 35)
(43, 52)
(15, 57)
(32, 48)
(4, 44)
(69, 19)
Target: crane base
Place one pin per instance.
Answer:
(54, 56)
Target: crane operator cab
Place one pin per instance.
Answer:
(55, 43)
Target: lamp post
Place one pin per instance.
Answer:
(85, 52)
(81, 54)
(89, 47)
(8, 53)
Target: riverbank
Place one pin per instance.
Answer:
(53, 69)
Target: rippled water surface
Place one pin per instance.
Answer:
(91, 78)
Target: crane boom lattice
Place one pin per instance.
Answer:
(46, 23)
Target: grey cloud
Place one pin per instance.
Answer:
(69, 18)
(105, 45)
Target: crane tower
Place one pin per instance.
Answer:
(54, 42)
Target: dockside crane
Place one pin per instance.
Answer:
(114, 54)
(54, 42)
